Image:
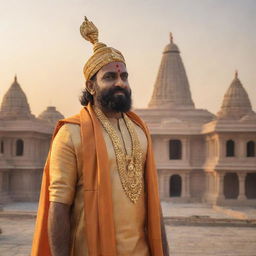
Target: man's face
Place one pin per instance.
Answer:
(112, 88)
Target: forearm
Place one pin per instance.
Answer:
(59, 229)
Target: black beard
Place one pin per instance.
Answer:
(111, 102)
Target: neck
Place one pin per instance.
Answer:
(110, 114)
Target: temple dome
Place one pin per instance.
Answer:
(171, 89)
(51, 115)
(171, 47)
(236, 102)
(15, 104)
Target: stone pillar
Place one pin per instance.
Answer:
(184, 185)
(222, 148)
(211, 148)
(165, 185)
(8, 150)
(185, 149)
(188, 142)
(161, 184)
(220, 186)
(241, 177)
(218, 148)
(239, 148)
(29, 148)
(187, 180)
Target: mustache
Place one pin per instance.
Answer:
(115, 89)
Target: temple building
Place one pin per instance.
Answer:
(24, 144)
(200, 156)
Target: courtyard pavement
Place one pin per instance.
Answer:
(17, 224)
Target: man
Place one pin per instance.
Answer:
(99, 193)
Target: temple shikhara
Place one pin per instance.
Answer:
(200, 156)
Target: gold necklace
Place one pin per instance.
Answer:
(130, 167)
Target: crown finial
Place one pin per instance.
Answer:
(236, 74)
(89, 31)
(15, 78)
(171, 38)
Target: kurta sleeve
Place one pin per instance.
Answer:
(63, 168)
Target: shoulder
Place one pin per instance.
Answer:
(68, 133)
(75, 119)
(67, 126)
(71, 128)
(68, 129)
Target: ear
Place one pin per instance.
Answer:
(90, 85)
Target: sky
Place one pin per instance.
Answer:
(41, 43)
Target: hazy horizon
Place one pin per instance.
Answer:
(41, 43)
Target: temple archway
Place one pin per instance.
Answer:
(230, 148)
(175, 186)
(19, 147)
(250, 149)
(250, 185)
(1, 147)
(231, 186)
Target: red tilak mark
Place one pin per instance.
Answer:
(117, 65)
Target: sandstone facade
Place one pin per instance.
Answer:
(201, 156)
(24, 144)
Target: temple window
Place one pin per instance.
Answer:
(175, 149)
(230, 148)
(19, 147)
(250, 149)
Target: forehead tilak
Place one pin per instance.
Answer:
(118, 68)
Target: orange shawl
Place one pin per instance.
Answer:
(99, 225)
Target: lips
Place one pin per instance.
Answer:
(119, 91)
(116, 92)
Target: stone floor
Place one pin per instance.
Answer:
(17, 231)
(16, 236)
(187, 210)
(211, 241)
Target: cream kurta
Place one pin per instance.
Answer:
(66, 186)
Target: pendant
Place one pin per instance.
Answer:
(130, 166)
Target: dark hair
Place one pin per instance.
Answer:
(86, 97)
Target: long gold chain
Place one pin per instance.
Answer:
(130, 167)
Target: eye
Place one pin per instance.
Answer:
(124, 76)
(109, 76)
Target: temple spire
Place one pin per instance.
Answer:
(171, 38)
(171, 89)
(236, 102)
(14, 104)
